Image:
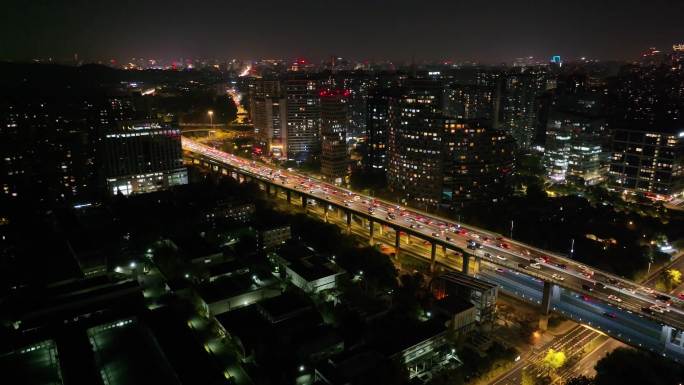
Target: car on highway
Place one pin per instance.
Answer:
(681, 295)
(535, 266)
(502, 258)
(558, 277)
(646, 290)
(615, 298)
(587, 287)
(562, 266)
(657, 309)
(610, 314)
(663, 297)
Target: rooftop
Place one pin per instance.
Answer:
(285, 306)
(34, 364)
(227, 287)
(452, 304)
(307, 263)
(466, 280)
(129, 354)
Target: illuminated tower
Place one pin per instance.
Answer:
(334, 124)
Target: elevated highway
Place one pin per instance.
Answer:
(472, 244)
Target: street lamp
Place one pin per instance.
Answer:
(211, 118)
(572, 247)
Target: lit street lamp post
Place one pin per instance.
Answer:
(211, 118)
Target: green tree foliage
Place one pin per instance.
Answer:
(554, 359)
(626, 366)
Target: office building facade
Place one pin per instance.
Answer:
(520, 103)
(573, 150)
(334, 126)
(302, 117)
(477, 162)
(414, 143)
(143, 156)
(649, 163)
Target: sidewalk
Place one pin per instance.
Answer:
(647, 280)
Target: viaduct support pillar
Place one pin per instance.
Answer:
(371, 231)
(288, 194)
(551, 292)
(465, 264)
(349, 222)
(433, 254)
(397, 242)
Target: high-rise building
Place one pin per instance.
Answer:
(270, 123)
(268, 114)
(48, 144)
(573, 150)
(435, 160)
(414, 143)
(472, 101)
(648, 136)
(303, 117)
(334, 125)
(359, 85)
(648, 162)
(143, 156)
(476, 162)
(378, 111)
(519, 103)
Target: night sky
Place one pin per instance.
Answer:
(488, 31)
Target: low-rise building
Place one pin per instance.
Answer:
(308, 271)
(423, 348)
(272, 236)
(231, 212)
(228, 292)
(481, 294)
(461, 314)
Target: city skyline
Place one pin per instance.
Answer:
(342, 193)
(435, 31)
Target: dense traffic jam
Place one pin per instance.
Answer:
(489, 246)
